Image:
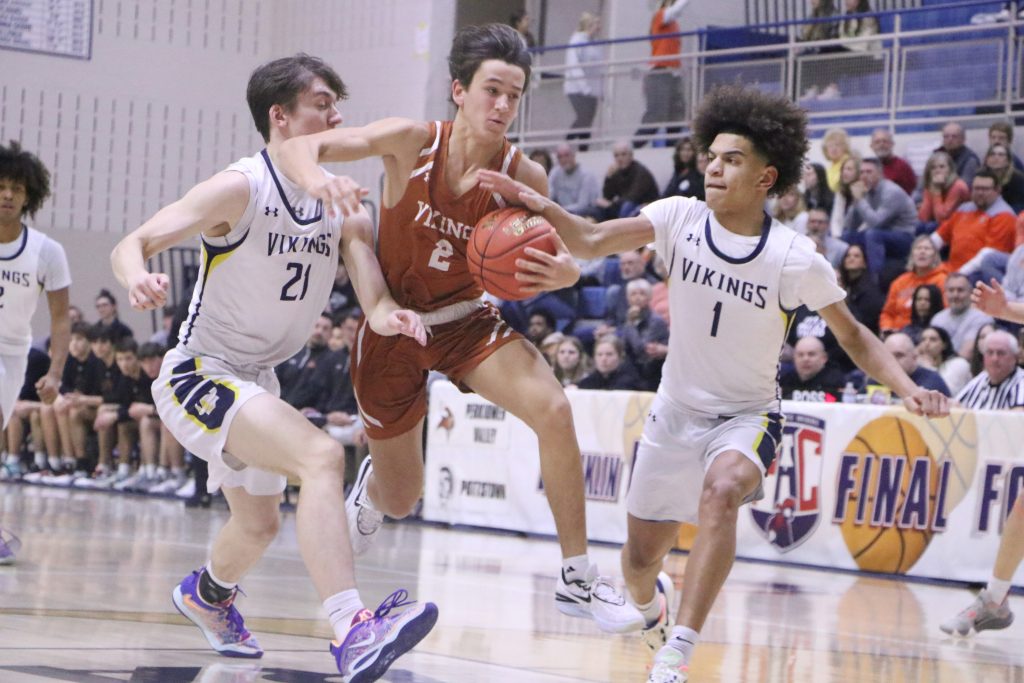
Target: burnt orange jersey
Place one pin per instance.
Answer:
(422, 239)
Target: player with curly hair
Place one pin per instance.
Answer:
(735, 276)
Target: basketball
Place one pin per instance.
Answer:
(882, 544)
(497, 241)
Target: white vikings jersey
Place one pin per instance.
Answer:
(263, 285)
(30, 264)
(730, 298)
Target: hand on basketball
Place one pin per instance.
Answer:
(48, 387)
(513, 191)
(149, 291)
(927, 403)
(990, 299)
(543, 272)
(339, 194)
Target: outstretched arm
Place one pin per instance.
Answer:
(871, 356)
(396, 141)
(212, 207)
(383, 313)
(584, 239)
(991, 299)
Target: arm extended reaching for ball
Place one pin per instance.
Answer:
(582, 238)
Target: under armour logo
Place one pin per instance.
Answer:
(267, 211)
(299, 210)
(693, 238)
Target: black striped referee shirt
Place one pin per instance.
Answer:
(981, 394)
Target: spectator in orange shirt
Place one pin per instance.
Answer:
(981, 226)
(944, 190)
(924, 267)
(663, 84)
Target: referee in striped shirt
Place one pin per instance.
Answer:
(1000, 386)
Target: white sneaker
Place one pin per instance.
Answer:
(595, 598)
(186, 490)
(656, 635)
(363, 521)
(131, 482)
(668, 667)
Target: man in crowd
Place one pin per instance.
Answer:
(574, 188)
(812, 378)
(984, 225)
(894, 168)
(832, 248)
(627, 186)
(953, 144)
(883, 217)
(1000, 386)
(960, 319)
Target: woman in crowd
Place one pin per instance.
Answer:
(686, 180)
(820, 30)
(999, 160)
(944, 191)
(610, 369)
(842, 202)
(935, 350)
(817, 195)
(927, 302)
(836, 148)
(924, 267)
(789, 209)
(572, 363)
(543, 157)
(584, 83)
(863, 295)
(859, 27)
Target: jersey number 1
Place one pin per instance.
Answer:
(298, 274)
(714, 322)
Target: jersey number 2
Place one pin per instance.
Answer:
(299, 273)
(714, 322)
(442, 251)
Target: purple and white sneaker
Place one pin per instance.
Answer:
(377, 639)
(220, 622)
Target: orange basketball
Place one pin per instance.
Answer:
(887, 547)
(497, 241)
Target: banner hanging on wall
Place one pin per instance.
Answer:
(854, 486)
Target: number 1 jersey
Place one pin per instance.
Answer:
(731, 298)
(422, 240)
(262, 286)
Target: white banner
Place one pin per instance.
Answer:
(483, 465)
(854, 487)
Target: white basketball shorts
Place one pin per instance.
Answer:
(197, 397)
(677, 448)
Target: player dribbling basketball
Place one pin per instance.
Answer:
(431, 200)
(734, 277)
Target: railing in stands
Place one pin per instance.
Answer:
(770, 11)
(928, 64)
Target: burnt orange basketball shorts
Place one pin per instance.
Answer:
(389, 374)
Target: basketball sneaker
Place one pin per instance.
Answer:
(981, 615)
(378, 638)
(9, 545)
(363, 521)
(655, 634)
(668, 667)
(220, 622)
(594, 597)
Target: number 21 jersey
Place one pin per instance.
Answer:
(731, 299)
(263, 285)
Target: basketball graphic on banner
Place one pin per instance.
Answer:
(953, 439)
(889, 483)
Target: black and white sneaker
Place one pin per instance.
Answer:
(594, 597)
(363, 520)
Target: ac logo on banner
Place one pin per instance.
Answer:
(791, 508)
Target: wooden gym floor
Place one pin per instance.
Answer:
(89, 600)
